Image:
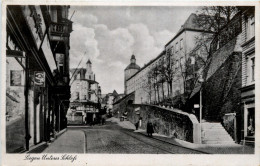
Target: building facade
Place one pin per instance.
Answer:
(151, 85)
(248, 74)
(35, 106)
(85, 96)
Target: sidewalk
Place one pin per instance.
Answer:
(72, 141)
(208, 148)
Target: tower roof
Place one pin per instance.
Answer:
(133, 66)
(133, 56)
(89, 62)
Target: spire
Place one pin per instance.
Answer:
(89, 62)
(133, 56)
(133, 60)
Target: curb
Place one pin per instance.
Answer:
(42, 144)
(156, 138)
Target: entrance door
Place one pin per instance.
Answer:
(89, 118)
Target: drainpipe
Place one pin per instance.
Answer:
(27, 134)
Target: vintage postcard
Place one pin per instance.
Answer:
(130, 83)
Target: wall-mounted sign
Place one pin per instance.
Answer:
(35, 21)
(46, 48)
(196, 106)
(15, 78)
(39, 78)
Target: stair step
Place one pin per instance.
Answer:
(216, 139)
(218, 142)
(214, 132)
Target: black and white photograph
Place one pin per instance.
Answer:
(80, 80)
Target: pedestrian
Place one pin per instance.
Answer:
(140, 121)
(136, 125)
(85, 120)
(150, 130)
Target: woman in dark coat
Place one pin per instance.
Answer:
(150, 130)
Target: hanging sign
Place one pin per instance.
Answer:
(39, 78)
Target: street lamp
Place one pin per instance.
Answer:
(201, 80)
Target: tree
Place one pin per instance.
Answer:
(147, 85)
(167, 70)
(213, 18)
(154, 73)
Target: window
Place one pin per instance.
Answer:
(250, 27)
(176, 64)
(181, 44)
(176, 47)
(253, 68)
(172, 50)
(182, 61)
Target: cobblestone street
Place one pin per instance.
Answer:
(114, 139)
(119, 138)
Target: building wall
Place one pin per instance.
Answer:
(248, 73)
(138, 82)
(28, 106)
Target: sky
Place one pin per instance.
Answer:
(109, 35)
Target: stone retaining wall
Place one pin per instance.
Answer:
(170, 122)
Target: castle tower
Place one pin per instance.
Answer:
(89, 66)
(130, 70)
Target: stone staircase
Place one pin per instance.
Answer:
(214, 133)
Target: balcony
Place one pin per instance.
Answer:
(58, 31)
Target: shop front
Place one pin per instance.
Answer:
(29, 78)
(248, 102)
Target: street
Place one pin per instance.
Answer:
(112, 139)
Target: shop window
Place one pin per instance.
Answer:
(251, 122)
(15, 107)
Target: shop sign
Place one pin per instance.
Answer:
(35, 21)
(46, 48)
(15, 78)
(39, 78)
(196, 106)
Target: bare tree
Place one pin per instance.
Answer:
(167, 70)
(147, 85)
(213, 18)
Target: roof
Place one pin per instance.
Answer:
(115, 93)
(146, 65)
(189, 24)
(89, 62)
(118, 101)
(220, 56)
(133, 66)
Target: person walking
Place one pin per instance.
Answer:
(150, 130)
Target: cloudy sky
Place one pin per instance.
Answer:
(110, 35)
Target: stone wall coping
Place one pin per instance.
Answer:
(192, 117)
